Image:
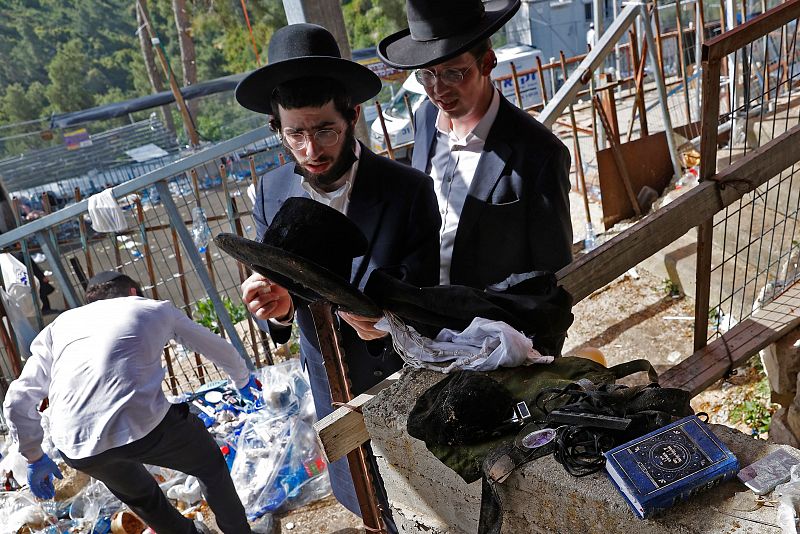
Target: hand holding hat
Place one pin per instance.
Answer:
(266, 299)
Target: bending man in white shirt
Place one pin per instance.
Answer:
(100, 366)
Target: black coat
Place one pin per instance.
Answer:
(516, 214)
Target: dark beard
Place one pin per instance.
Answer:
(342, 164)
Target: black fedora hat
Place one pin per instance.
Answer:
(299, 51)
(443, 29)
(308, 249)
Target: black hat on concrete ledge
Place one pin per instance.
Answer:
(299, 51)
(308, 249)
(443, 29)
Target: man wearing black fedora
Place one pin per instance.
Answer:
(501, 178)
(313, 97)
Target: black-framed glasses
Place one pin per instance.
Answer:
(299, 140)
(449, 76)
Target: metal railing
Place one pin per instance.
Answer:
(748, 253)
(160, 250)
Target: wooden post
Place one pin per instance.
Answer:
(639, 95)
(659, 47)
(684, 76)
(609, 107)
(386, 140)
(615, 151)
(638, 67)
(540, 73)
(336, 369)
(194, 139)
(410, 111)
(173, 381)
(516, 85)
(577, 147)
(708, 168)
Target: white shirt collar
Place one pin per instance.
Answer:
(480, 131)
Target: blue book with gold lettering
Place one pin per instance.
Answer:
(669, 465)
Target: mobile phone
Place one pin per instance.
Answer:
(763, 475)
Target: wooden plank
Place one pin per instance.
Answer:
(343, 430)
(765, 326)
(611, 259)
(744, 34)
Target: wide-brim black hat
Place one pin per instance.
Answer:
(442, 30)
(308, 249)
(300, 51)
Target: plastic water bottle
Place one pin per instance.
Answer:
(589, 242)
(201, 233)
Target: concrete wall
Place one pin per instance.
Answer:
(428, 497)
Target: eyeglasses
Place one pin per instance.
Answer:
(451, 76)
(299, 140)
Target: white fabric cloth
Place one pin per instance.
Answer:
(100, 366)
(340, 198)
(20, 286)
(484, 345)
(453, 165)
(105, 213)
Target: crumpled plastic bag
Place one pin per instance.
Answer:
(286, 391)
(188, 492)
(276, 457)
(105, 213)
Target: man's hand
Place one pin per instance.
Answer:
(40, 477)
(364, 326)
(265, 299)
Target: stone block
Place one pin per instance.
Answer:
(779, 431)
(428, 497)
(782, 364)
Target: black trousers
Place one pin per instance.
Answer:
(179, 442)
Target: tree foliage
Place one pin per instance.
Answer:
(66, 55)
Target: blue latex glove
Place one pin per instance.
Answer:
(40, 477)
(247, 391)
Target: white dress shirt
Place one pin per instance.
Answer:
(453, 167)
(100, 366)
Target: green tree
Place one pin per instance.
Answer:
(67, 72)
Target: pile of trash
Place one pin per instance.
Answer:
(270, 448)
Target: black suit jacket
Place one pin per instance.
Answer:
(516, 214)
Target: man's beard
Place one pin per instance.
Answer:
(340, 166)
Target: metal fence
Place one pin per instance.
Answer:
(163, 248)
(750, 253)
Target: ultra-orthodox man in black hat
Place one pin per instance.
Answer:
(313, 98)
(501, 178)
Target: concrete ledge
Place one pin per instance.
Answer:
(428, 497)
